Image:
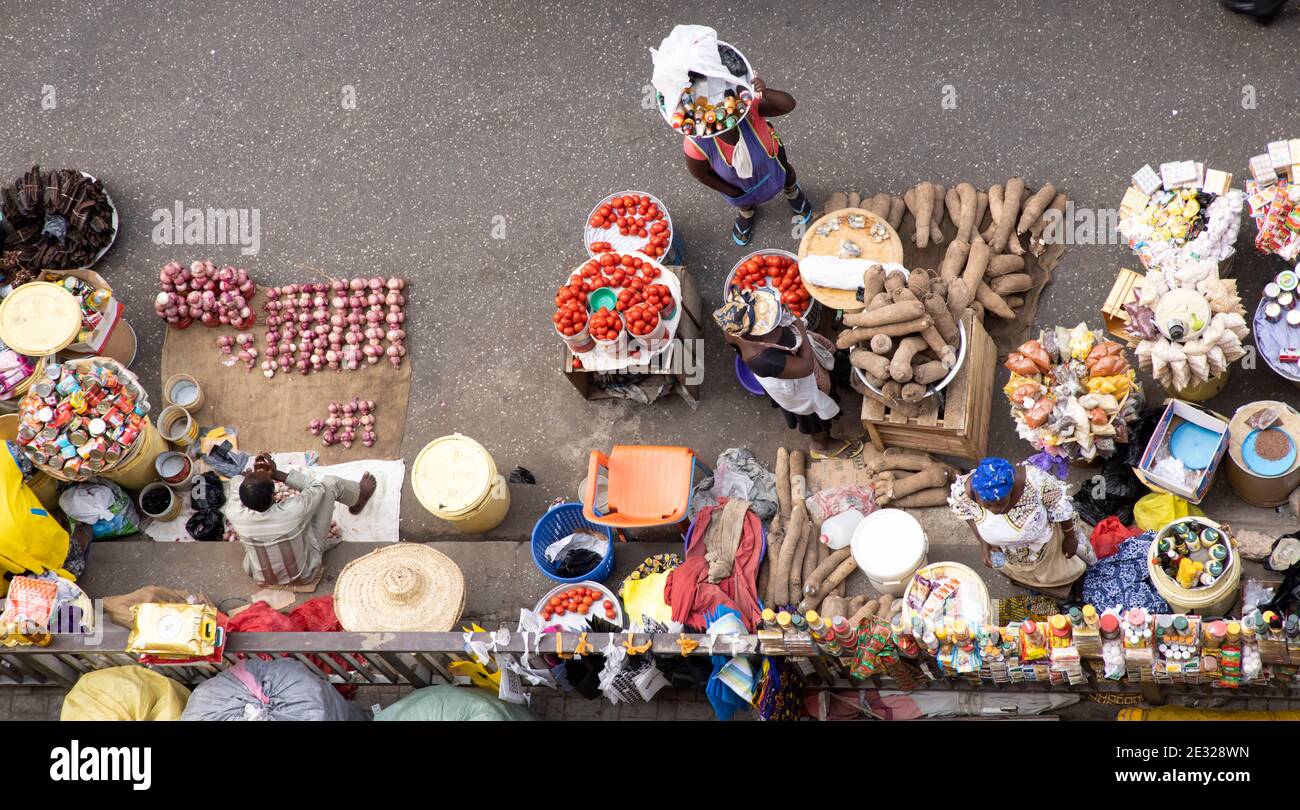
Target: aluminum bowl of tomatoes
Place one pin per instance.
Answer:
(778, 269)
(629, 221)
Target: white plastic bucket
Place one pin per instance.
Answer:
(602, 493)
(889, 546)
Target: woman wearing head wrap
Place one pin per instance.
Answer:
(778, 349)
(1023, 518)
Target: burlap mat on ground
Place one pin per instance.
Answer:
(272, 415)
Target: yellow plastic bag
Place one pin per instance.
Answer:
(1155, 511)
(478, 674)
(125, 693)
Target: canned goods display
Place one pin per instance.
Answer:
(86, 422)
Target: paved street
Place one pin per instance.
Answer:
(495, 119)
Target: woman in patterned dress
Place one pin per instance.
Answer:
(1022, 517)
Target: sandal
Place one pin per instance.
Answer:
(799, 205)
(850, 448)
(743, 231)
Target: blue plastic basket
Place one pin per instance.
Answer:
(559, 522)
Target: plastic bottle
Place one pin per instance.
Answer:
(837, 531)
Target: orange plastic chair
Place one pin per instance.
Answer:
(648, 486)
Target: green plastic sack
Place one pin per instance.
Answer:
(1155, 511)
(445, 702)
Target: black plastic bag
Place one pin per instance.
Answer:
(208, 492)
(1114, 495)
(577, 563)
(206, 524)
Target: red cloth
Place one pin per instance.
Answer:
(313, 616)
(690, 594)
(1107, 536)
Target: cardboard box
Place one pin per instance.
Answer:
(112, 312)
(1124, 291)
(1176, 413)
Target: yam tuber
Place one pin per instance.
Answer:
(981, 207)
(929, 478)
(881, 299)
(1035, 206)
(877, 365)
(918, 281)
(873, 282)
(922, 499)
(783, 481)
(959, 298)
(854, 200)
(811, 542)
(968, 206)
(834, 605)
(813, 585)
(913, 392)
(1014, 301)
(882, 344)
(896, 208)
(900, 368)
(812, 599)
(1036, 230)
(930, 372)
(936, 215)
(838, 200)
(995, 212)
(1006, 224)
(775, 543)
(1012, 283)
(851, 337)
(952, 204)
(789, 546)
(1007, 263)
(798, 477)
(922, 207)
(954, 259)
(976, 264)
(863, 613)
(992, 302)
(937, 309)
(879, 205)
(893, 313)
(795, 588)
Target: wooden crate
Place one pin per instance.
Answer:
(960, 426)
(1123, 292)
(688, 358)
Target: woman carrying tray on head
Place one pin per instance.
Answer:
(747, 164)
(792, 364)
(1022, 515)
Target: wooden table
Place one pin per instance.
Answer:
(812, 244)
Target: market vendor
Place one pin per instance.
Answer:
(1024, 522)
(747, 164)
(779, 350)
(285, 542)
(33, 541)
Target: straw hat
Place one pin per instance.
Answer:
(407, 587)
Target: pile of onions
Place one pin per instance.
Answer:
(340, 325)
(244, 342)
(203, 293)
(347, 422)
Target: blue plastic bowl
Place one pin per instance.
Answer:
(747, 379)
(559, 522)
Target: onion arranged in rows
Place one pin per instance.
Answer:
(346, 423)
(341, 325)
(203, 293)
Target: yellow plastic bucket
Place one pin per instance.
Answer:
(45, 487)
(137, 469)
(39, 318)
(456, 480)
(1216, 600)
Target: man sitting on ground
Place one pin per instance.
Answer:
(285, 542)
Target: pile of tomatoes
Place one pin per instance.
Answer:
(605, 325)
(642, 319)
(617, 270)
(580, 601)
(633, 215)
(782, 273)
(570, 318)
(628, 298)
(660, 297)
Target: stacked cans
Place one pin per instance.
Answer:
(1280, 298)
(81, 419)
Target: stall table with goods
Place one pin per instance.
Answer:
(631, 323)
(1072, 394)
(1273, 197)
(1185, 320)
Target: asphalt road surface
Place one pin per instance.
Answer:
(482, 134)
